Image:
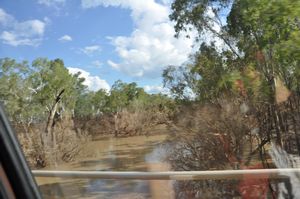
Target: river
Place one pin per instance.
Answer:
(147, 153)
(138, 153)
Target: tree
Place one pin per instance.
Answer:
(259, 66)
(56, 90)
(122, 94)
(204, 16)
(262, 34)
(268, 32)
(91, 104)
(16, 92)
(180, 82)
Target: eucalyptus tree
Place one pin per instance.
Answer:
(56, 89)
(122, 94)
(15, 90)
(259, 59)
(91, 104)
(262, 34)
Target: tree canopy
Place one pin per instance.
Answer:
(261, 46)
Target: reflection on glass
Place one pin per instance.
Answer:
(155, 85)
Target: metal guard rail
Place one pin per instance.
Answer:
(174, 175)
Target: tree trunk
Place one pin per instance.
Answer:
(50, 121)
(116, 118)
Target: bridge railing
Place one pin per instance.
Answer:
(173, 175)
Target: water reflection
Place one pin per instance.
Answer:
(138, 153)
(97, 189)
(289, 188)
(150, 154)
(286, 186)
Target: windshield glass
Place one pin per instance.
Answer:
(155, 98)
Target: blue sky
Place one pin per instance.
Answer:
(106, 40)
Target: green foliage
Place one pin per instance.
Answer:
(50, 78)
(30, 91)
(187, 13)
(38, 92)
(179, 81)
(262, 39)
(268, 32)
(13, 87)
(122, 94)
(91, 104)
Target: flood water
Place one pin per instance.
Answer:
(147, 153)
(139, 153)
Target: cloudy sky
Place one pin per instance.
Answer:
(106, 40)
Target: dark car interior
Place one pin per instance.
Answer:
(16, 180)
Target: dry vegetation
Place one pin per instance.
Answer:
(131, 121)
(44, 153)
(68, 135)
(208, 137)
(230, 134)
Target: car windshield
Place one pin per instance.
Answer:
(155, 98)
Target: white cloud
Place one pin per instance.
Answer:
(13, 39)
(90, 50)
(151, 46)
(53, 3)
(153, 89)
(97, 63)
(166, 2)
(65, 38)
(112, 64)
(95, 3)
(47, 20)
(93, 83)
(16, 33)
(5, 19)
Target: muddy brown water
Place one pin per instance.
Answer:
(139, 153)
